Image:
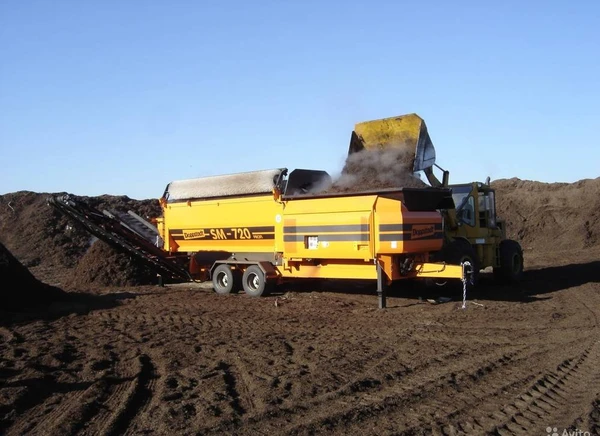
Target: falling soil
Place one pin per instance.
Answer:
(315, 358)
(371, 170)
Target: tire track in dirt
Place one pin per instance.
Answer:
(450, 409)
(132, 398)
(556, 399)
(559, 398)
(137, 397)
(255, 402)
(178, 321)
(116, 396)
(510, 419)
(364, 380)
(37, 400)
(86, 407)
(175, 321)
(425, 395)
(593, 419)
(503, 381)
(231, 387)
(252, 369)
(49, 397)
(453, 392)
(378, 393)
(71, 415)
(92, 413)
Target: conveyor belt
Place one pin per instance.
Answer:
(109, 228)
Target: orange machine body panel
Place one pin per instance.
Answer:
(332, 236)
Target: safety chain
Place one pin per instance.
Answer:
(465, 266)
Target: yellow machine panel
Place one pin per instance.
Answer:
(238, 224)
(329, 228)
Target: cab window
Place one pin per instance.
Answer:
(487, 209)
(465, 204)
(467, 213)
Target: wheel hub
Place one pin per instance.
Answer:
(254, 281)
(223, 280)
(516, 263)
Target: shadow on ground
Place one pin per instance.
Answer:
(533, 286)
(78, 303)
(541, 281)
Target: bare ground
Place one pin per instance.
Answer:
(151, 360)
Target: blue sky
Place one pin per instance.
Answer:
(121, 97)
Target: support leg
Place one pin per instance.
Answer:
(381, 287)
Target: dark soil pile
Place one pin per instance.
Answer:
(37, 234)
(50, 244)
(370, 170)
(550, 216)
(102, 265)
(19, 288)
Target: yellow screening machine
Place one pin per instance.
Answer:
(251, 231)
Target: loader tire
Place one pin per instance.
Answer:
(254, 282)
(226, 280)
(511, 262)
(459, 251)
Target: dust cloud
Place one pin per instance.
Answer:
(369, 170)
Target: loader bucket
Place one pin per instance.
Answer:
(405, 131)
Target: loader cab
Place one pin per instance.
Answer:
(475, 205)
(474, 220)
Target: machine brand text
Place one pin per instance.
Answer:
(422, 231)
(225, 233)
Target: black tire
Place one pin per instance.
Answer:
(459, 251)
(511, 262)
(225, 280)
(254, 282)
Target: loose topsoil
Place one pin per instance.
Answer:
(550, 216)
(59, 251)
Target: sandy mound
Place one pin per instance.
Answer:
(20, 288)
